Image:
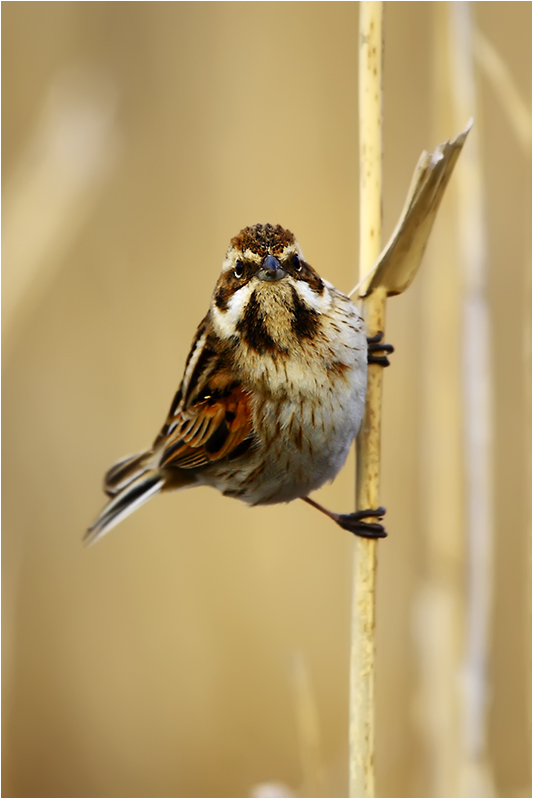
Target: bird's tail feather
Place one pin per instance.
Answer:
(125, 471)
(129, 494)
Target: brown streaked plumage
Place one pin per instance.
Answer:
(273, 389)
(263, 240)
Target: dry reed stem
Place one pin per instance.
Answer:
(475, 776)
(54, 186)
(368, 442)
(392, 273)
(439, 603)
(501, 79)
(308, 726)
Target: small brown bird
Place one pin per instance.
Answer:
(273, 392)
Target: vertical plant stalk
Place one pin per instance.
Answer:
(53, 187)
(475, 775)
(308, 725)
(439, 603)
(368, 441)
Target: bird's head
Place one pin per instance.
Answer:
(267, 293)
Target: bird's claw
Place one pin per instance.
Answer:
(374, 346)
(354, 523)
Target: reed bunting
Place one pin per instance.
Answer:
(273, 392)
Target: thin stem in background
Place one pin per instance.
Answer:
(439, 604)
(368, 442)
(475, 777)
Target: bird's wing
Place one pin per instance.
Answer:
(210, 417)
(212, 428)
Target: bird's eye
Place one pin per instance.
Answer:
(239, 269)
(296, 263)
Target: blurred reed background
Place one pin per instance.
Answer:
(202, 648)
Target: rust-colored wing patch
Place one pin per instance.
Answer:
(210, 429)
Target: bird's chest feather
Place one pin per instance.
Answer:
(307, 408)
(304, 370)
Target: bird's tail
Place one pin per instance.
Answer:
(130, 483)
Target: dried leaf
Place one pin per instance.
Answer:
(399, 262)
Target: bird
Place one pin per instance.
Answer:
(272, 395)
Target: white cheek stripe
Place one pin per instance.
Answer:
(225, 322)
(319, 302)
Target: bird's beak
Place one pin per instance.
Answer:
(271, 269)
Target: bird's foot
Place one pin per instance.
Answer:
(375, 346)
(355, 522)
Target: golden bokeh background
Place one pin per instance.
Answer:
(202, 648)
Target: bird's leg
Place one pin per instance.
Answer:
(374, 346)
(354, 522)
